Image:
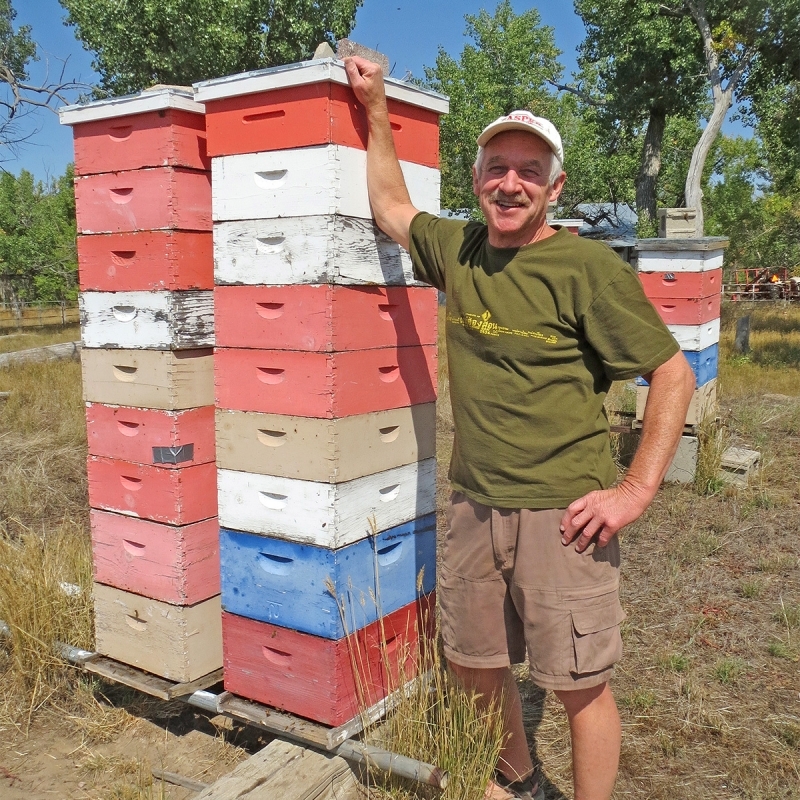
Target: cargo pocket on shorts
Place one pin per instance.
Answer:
(596, 640)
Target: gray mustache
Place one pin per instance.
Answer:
(519, 198)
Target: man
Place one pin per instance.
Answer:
(538, 324)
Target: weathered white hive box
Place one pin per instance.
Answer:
(328, 450)
(156, 128)
(147, 320)
(180, 643)
(148, 378)
(681, 255)
(696, 337)
(330, 179)
(326, 514)
(178, 564)
(738, 465)
(317, 249)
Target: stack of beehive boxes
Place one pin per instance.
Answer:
(325, 371)
(143, 201)
(683, 279)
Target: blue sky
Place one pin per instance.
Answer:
(409, 32)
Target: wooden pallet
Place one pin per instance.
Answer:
(278, 723)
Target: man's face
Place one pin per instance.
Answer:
(513, 188)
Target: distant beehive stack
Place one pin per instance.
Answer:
(325, 374)
(143, 204)
(683, 279)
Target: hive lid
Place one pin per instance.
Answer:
(158, 98)
(305, 72)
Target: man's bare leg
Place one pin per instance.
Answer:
(596, 737)
(496, 684)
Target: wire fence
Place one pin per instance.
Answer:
(14, 316)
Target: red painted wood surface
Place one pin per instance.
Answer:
(324, 318)
(689, 285)
(144, 199)
(146, 260)
(313, 114)
(315, 677)
(175, 564)
(324, 385)
(131, 434)
(173, 496)
(688, 311)
(171, 137)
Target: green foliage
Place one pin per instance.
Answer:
(17, 48)
(37, 238)
(144, 42)
(506, 68)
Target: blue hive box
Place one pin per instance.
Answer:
(704, 364)
(293, 585)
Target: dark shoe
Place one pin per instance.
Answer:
(527, 789)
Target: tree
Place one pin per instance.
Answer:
(506, 68)
(37, 238)
(19, 97)
(641, 67)
(144, 42)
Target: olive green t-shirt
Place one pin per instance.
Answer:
(535, 335)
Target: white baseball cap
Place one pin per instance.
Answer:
(525, 121)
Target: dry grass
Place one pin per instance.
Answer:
(39, 337)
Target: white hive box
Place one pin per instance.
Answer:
(326, 514)
(308, 181)
(147, 320)
(310, 249)
(681, 255)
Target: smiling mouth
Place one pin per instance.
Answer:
(504, 201)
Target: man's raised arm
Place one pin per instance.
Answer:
(388, 194)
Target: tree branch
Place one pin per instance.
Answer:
(587, 98)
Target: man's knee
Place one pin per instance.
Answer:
(485, 681)
(576, 700)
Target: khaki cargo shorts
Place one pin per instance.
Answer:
(507, 583)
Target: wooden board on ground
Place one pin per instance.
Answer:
(284, 770)
(146, 682)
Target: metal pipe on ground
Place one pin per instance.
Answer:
(365, 754)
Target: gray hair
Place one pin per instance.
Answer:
(556, 167)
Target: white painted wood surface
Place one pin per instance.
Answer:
(180, 643)
(696, 337)
(306, 181)
(147, 320)
(681, 261)
(326, 514)
(286, 771)
(148, 100)
(310, 249)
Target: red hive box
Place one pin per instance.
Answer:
(327, 680)
(151, 436)
(311, 104)
(146, 260)
(175, 564)
(324, 384)
(175, 496)
(688, 285)
(324, 318)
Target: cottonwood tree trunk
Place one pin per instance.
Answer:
(722, 97)
(650, 166)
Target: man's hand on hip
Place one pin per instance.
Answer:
(599, 515)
